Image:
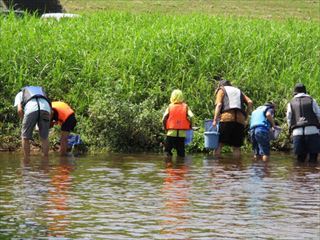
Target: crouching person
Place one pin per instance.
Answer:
(176, 121)
(34, 109)
(63, 115)
(261, 123)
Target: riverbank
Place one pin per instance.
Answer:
(117, 69)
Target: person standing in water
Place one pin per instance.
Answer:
(303, 117)
(33, 108)
(63, 115)
(261, 123)
(176, 120)
(231, 111)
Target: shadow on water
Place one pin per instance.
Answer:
(121, 196)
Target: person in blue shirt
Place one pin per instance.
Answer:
(34, 108)
(261, 123)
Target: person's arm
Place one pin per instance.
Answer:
(217, 113)
(289, 114)
(249, 104)
(18, 104)
(52, 120)
(190, 117)
(316, 109)
(270, 119)
(165, 118)
(217, 110)
(20, 110)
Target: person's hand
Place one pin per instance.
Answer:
(214, 123)
(20, 111)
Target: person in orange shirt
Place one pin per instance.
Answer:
(231, 111)
(63, 115)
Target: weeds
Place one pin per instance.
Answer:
(142, 58)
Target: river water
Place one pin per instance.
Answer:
(143, 196)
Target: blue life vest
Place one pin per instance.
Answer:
(31, 92)
(259, 119)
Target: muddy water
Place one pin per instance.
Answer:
(145, 197)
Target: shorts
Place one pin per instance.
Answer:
(260, 142)
(231, 133)
(69, 124)
(304, 144)
(42, 118)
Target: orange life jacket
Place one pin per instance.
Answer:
(63, 110)
(177, 119)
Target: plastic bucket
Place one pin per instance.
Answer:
(74, 139)
(275, 134)
(208, 125)
(211, 140)
(189, 137)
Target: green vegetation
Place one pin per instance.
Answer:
(118, 69)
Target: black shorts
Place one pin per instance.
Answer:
(175, 143)
(69, 124)
(231, 133)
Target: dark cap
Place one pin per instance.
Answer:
(270, 104)
(224, 83)
(299, 88)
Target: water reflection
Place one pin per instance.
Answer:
(58, 208)
(175, 191)
(29, 191)
(118, 196)
(41, 193)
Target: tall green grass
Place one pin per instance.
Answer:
(132, 58)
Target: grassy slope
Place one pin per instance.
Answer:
(271, 9)
(274, 53)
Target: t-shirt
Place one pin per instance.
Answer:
(32, 105)
(231, 115)
(264, 128)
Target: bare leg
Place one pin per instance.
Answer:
(45, 147)
(26, 149)
(265, 158)
(217, 152)
(236, 152)
(64, 143)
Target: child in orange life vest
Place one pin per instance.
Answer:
(63, 115)
(176, 120)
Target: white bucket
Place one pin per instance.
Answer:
(275, 134)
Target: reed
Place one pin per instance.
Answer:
(145, 56)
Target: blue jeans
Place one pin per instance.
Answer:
(260, 139)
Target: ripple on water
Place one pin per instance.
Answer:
(143, 197)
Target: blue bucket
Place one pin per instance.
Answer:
(189, 137)
(211, 135)
(208, 125)
(74, 139)
(211, 140)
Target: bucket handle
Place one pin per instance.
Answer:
(217, 126)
